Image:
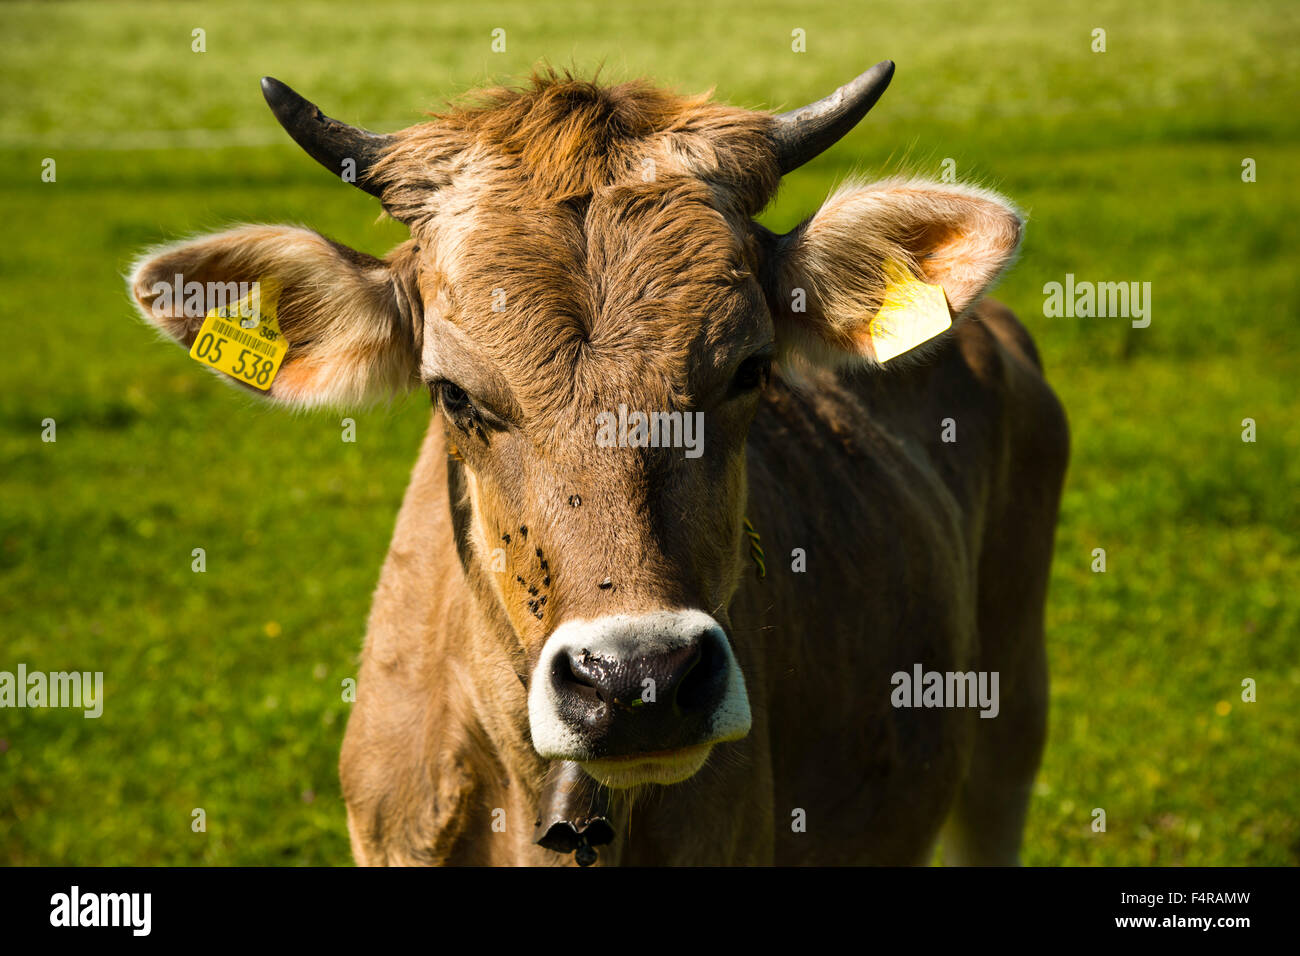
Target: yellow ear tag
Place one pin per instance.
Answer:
(912, 312)
(243, 339)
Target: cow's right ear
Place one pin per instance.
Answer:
(882, 269)
(347, 316)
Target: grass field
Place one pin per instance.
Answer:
(222, 689)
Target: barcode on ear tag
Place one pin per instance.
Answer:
(243, 339)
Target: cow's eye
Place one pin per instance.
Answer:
(753, 373)
(454, 399)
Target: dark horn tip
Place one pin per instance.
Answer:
(281, 97)
(806, 132)
(326, 140)
(273, 89)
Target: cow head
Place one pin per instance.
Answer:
(594, 312)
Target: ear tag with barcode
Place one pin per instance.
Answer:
(911, 312)
(243, 339)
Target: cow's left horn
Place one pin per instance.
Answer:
(326, 140)
(804, 133)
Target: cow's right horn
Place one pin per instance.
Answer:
(803, 133)
(326, 140)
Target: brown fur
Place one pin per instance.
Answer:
(575, 247)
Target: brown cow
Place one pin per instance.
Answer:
(553, 601)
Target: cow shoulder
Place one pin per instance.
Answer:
(980, 406)
(1003, 358)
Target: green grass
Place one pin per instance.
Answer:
(223, 688)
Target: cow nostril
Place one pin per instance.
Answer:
(575, 683)
(687, 681)
(701, 685)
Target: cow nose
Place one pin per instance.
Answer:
(627, 700)
(640, 680)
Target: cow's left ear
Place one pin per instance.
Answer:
(849, 286)
(346, 316)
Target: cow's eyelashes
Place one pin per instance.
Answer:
(455, 403)
(454, 398)
(463, 411)
(753, 373)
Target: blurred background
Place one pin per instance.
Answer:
(222, 689)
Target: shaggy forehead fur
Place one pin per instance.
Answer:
(561, 139)
(614, 221)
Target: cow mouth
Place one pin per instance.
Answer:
(660, 766)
